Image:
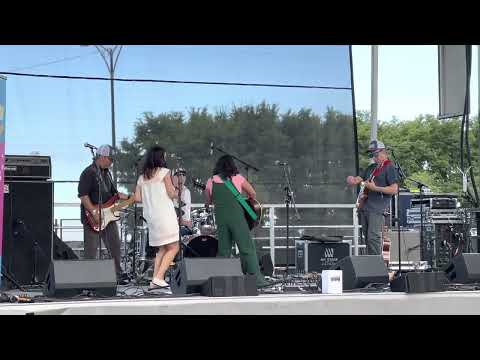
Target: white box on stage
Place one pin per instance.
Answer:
(332, 282)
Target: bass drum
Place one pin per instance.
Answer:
(200, 246)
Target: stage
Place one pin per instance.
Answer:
(355, 303)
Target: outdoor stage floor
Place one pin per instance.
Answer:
(356, 303)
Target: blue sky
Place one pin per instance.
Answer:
(55, 117)
(407, 80)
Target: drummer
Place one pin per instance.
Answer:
(179, 179)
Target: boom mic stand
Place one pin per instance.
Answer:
(396, 219)
(180, 212)
(247, 165)
(421, 188)
(399, 283)
(179, 203)
(135, 221)
(289, 198)
(99, 181)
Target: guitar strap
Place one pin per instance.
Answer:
(378, 170)
(239, 198)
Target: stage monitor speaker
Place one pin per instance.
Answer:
(192, 273)
(464, 268)
(28, 220)
(419, 282)
(452, 77)
(67, 278)
(360, 271)
(221, 286)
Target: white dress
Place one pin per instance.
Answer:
(158, 209)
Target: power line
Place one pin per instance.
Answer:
(54, 62)
(178, 81)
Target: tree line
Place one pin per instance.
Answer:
(320, 148)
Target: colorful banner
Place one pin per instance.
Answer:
(3, 100)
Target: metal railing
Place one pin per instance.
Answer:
(354, 226)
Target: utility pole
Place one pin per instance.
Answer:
(110, 56)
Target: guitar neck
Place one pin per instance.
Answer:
(124, 204)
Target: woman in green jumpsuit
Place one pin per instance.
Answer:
(231, 224)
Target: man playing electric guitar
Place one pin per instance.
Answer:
(382, 183)
(88, 192)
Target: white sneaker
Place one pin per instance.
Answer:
(158, 284)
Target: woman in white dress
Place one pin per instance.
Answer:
(156, 191)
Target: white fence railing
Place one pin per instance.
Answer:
(354, 226)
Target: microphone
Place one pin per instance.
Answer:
(87, 145)
(211, 148)
(279, 163)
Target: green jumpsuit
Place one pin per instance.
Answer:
(233, 228)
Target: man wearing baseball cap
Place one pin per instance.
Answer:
(178, 179)
(380, 182)
(88, 192)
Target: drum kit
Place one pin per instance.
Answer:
(201, 241)
(138, 256)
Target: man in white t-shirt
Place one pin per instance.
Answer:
(179, 178)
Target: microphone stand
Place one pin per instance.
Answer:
(180, 203)
(135, 221)
(421, 187)
(400, 283)
(289, 198)
(99, 180)
(247, 165)
(396, 219)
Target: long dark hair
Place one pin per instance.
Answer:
(225, 167)
(155, 158)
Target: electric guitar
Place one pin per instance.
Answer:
(109, 212)
(363, 193)
(254, 204)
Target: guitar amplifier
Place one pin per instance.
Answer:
(316, 256)
(27, 167)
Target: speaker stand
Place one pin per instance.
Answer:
(36, 250)
(10, 278)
